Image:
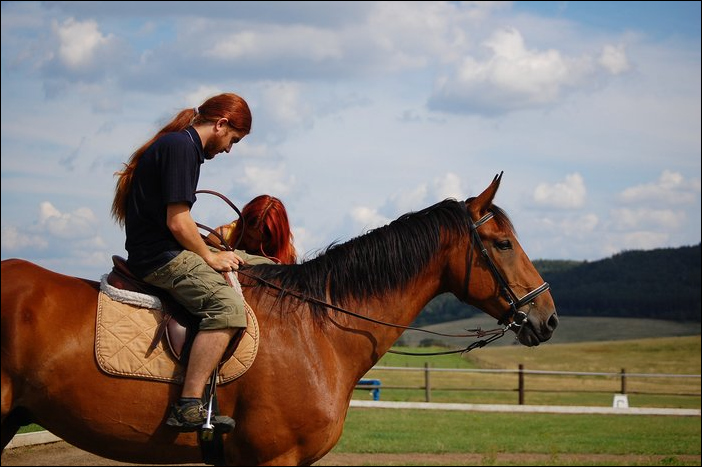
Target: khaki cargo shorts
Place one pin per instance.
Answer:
(203, 291)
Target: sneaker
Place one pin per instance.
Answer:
(187, 417)
(191, 416)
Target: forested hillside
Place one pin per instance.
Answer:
(661, 284)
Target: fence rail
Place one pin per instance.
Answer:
(521, 388)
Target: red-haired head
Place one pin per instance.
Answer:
(267, 230)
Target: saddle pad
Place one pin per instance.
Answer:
(124, 333)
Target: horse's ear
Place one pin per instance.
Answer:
(480, 204)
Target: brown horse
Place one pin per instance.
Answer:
(291, 404)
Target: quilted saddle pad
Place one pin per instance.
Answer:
(124, 333)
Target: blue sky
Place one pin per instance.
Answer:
(363, 111)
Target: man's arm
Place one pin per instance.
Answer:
(185, 230)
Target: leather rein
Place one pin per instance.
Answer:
(513, 318)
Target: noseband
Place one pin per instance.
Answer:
(513, 315)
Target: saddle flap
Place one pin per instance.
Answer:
(178, 336)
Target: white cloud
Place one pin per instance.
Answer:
(282, 108)
(616, 243)
(406, 200)
(449, 186)
(614, 59)
(79, 42)
(579, 226)
(569, 194)
(562, 235)
(202, 93)
(275, 42)
(368, 218)
(671, 188)
(79, 224)
(66, 242)
(518, 70)
(277, 180)
(513, 76)
(14, 240)
(635, 219)
(304, 241)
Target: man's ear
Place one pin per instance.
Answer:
(221, 125)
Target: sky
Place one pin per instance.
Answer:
(362, 112)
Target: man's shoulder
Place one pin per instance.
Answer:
(176, 146)
(175, 138)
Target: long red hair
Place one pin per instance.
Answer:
(267, 215)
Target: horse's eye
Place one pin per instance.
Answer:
(504, 245)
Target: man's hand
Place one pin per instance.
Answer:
(224, 261)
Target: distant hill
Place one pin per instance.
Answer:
(654, 284)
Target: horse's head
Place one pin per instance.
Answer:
(500, 278)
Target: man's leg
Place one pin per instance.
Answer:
(221, 310)
(189, 414)
(205, 354)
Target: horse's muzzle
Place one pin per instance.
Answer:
(535, 331)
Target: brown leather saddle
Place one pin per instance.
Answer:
(178, 325)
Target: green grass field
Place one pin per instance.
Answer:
(392, 430)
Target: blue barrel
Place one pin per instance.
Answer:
(372, 384)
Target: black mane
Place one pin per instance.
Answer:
(383, 259)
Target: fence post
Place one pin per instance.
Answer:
(623, 377)
(521, 384)
(427, 383)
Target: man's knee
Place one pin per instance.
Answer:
(226, 315)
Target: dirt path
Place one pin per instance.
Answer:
(62, 453)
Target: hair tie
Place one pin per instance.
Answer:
(195, 109)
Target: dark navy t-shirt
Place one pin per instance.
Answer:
(168, 172)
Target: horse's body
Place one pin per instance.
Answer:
(290, 406)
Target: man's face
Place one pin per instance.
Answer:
(222, 141)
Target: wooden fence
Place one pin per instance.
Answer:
(619, 382)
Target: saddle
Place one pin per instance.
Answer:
(178, 325)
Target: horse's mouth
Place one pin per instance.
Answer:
(533, 332)
(527, 336)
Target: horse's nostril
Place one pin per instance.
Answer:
(553, 322)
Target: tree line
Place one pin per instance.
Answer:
(659, 284)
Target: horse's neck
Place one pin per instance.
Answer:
(352, 343)
(402, 306)
(361, 342)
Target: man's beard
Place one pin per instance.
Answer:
(210, 151)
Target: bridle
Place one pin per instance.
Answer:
(513, 315)
(513, 318)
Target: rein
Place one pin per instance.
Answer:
(493, 333)
(512, 318)
(231, 205)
